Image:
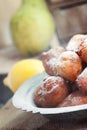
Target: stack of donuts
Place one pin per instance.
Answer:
(66, 83)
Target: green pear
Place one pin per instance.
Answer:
(32, 27)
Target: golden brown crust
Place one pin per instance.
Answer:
(68, 65)
(78, 43)
(64, 66)
(75, 98)
(82, 81)
(49, 58)
(82, 51)
(51, 92)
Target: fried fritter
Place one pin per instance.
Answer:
(82, 51)
(78, 43)
(51, 92)
(68, 65)
(82, 81)
(75, 98)
(49, 58)
(75, 41)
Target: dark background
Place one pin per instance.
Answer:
(5, 92)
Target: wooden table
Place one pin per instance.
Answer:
(14, 119)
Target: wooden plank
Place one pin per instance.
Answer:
(14, 119)
(66, 3)
(10, 118)
(70, 21)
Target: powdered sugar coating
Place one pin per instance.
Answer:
(68, 65)
(51, 92)
(49, 58)
(75, 42)
(75, 98)
(82, 81)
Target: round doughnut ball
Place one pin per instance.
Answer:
(75, 42)
(82, 50)
(78, 43)
(75, 98)
(82, 81)
(68, 65)
(51, 92)
(49, 58)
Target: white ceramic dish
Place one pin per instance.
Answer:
(23, 99)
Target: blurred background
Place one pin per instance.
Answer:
(70, 18)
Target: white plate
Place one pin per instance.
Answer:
(23, 99)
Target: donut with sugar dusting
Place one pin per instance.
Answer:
(78, 43)
(68, 65)
(51, 92)
(75, 98)
(49, 58)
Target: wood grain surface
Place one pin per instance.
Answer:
(69, 21)
(14, 119)
(65, 3)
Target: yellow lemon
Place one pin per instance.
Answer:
(22, 71)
